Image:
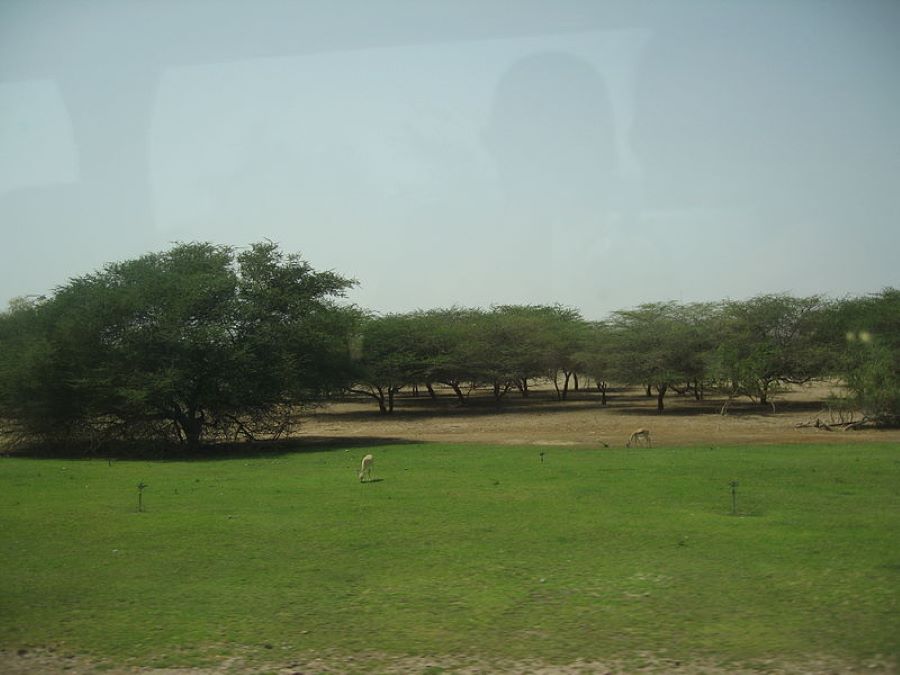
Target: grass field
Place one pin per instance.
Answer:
(465, 554)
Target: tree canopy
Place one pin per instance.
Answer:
(870, 360)
(661, 344)
(769, 341)
(196, 342)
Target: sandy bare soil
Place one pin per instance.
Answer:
(583, 421)
(38, 662)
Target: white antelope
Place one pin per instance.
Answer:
(640, 434)
(365, 469)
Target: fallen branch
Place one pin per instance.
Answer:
(818, 424)
(826, 426)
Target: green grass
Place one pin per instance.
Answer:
(458, 550)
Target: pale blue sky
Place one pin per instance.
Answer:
(594, 154)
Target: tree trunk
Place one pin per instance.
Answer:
(191, 426)
(661, 392)
(457, 391)
(649, 392)
(575, 381)
(601, 387)
(698, 390)
(431, 391)
(565, 390)
(382, 406)
(522, 386)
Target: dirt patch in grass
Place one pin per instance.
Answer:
(582, 420)
(43, 662)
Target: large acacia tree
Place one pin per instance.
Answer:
(770, 341)
(868, 339)
(520, 343)
(598, 355)
(449, 347)
(196, 342)
(660, 344)
(387, 356)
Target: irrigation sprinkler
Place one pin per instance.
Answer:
(734, 485)
(140, 488)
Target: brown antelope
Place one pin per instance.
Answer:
(640, 434)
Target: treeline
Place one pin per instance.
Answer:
(748, 348)
(205, 342)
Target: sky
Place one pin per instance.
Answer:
(598, 155)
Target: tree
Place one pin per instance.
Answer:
(387, 358)
(493, 350)
(597, 356)
(196, 342)
(532, 341)
(769, 341)
(661, 343)
(869, 359)
(701, 329)
(448, 348)
(564, 334)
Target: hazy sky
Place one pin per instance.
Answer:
(594, 154)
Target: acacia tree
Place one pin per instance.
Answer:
(769, 341)
(445, 346)
(531, 341)
(702, 322)
(387, 357)
(196, 342)
(564, 337)
(661, 343)
(458, 347)
(869, 358)
(597, 356)
(492, 351)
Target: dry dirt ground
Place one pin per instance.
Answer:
(43, 663)
(583, 421)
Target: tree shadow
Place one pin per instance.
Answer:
(680, 407)
(423, 407)
(418, 408)
(210, 452)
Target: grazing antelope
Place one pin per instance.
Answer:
(637, 436)
(365, 469)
